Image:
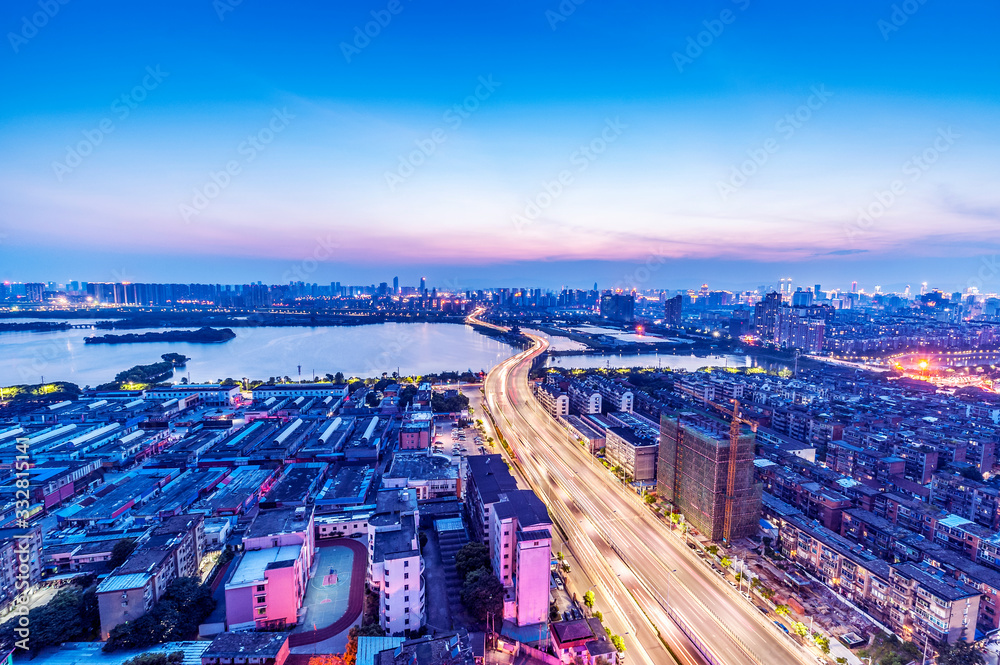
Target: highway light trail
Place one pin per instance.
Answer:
(623, 546)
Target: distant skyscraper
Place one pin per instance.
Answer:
(816, 292)
(423, 284)
(395, 286)
(673, 311)
(854, 287)
(802, 298)
(618, 307)
(765, 316)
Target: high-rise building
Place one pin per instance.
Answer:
(423, 284)
(395, 286)
(802, 298)
(765, 316)
(696, 476)
(618, 307)
(522, 555)
(673, 311)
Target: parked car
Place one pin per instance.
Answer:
(781, 626)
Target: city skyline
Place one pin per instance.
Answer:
(979, 284)
(734, 140)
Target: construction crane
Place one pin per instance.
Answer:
(736, 420)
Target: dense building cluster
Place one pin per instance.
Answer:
(881, 488)
(142, 487)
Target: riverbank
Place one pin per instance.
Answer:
(125, 318)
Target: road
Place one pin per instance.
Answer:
(643, 568)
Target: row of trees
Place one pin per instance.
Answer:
(71, 616)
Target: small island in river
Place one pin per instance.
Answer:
(200, 336)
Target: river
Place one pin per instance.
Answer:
(260, 353)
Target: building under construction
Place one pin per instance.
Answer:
(694, 473)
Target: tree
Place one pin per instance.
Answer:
(650, 499)
(333, 659)
(782, 610)
(121, 552)
(588, 599)
(726, 562)
(822, 642)
(351, 650)
(618, 642)
(338, 377)
(174, 618)
(70, 616)
(453, 404)
(800, 628)
(472, 556)
(483, 595)
(960, 653)
(156, 658)
(712, 549)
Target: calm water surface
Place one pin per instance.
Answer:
(412, 348)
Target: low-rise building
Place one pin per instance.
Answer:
(555, 401)
(247, 648)
(635, 455)
(416, 432)
(268, 582)
(431, 476)
(20, 561)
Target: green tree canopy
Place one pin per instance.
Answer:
(471, 557)
(483, 595)
(121, 552)
(960, 653)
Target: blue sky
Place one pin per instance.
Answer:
(514, 143)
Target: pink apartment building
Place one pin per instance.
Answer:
(522, 554)
(268, 582)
